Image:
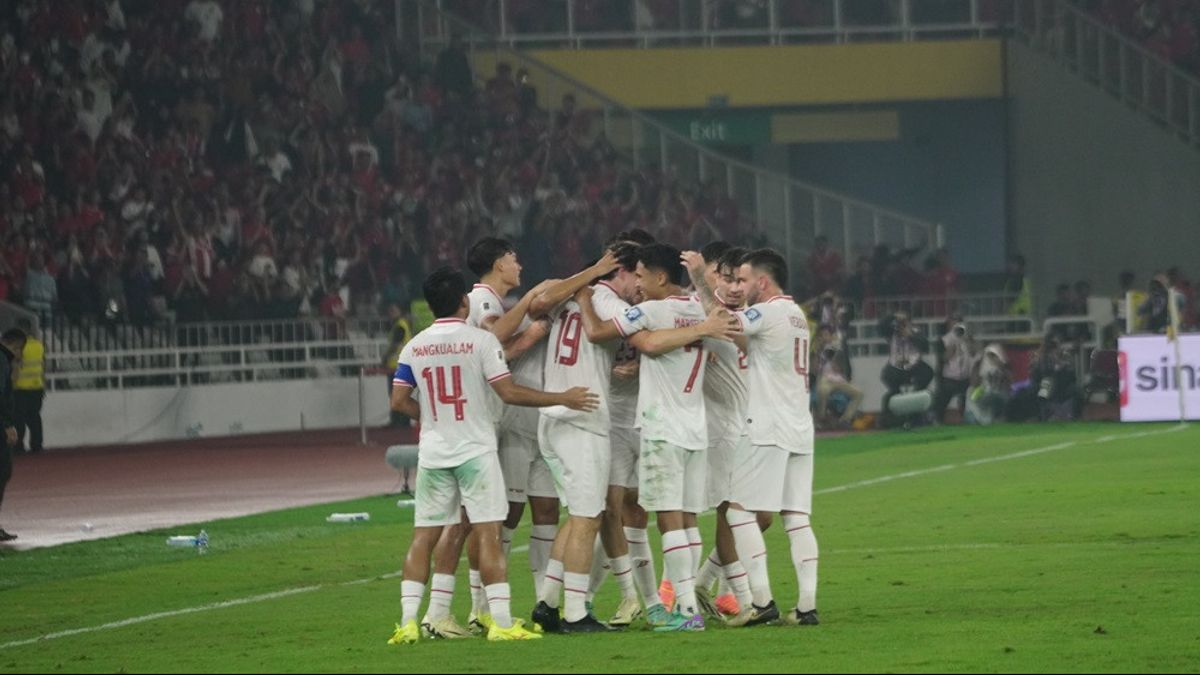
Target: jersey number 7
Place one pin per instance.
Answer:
(697, 347)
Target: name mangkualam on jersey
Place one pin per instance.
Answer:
(452, 366)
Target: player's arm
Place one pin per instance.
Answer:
(596, 329)
(495, 369)
(526, 339)
(695, 265)
(559, 292)
(717, 326)
(505, 326)
(747, 323)
(576, 398)
(402, 389)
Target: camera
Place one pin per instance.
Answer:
(960, 329)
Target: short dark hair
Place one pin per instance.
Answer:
(484, 254)
(626, 253)
(14, 335)
(637, 235)
(662, 257)
(444, 291)
(769, 261)
(713, 251)
(732, 259)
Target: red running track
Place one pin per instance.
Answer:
(54, 497)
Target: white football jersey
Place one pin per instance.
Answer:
(725, 390)
(452, 365)
(574, 361)
(486, 304)
(671, 386)
(778, 410)
(527, 371)
(622, 406)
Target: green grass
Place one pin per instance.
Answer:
(1081, 559)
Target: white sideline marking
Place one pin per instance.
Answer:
(392, 575)
(163, 615)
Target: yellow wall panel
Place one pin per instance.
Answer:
(785, 75)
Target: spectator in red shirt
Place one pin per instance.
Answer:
(826, 267)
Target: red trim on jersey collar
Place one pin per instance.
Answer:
(493, 291)
(680, 297)
(444, 321)
(779, 297)
(608, 286)
(725, 303)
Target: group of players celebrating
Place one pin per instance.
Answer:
(654, 381)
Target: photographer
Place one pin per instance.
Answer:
(1059, 395)
(957, 351)
(991, 387)
(904, 366)
(833, 377)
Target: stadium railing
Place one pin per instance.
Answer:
(966, 304)
(788, 213)
(709, 23)
(103, 357)
(1113, 62)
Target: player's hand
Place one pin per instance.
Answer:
(10, 436)
(693, 262)
(607, 263)
(720, 325)
(581, 398)
(584, 293)
(538, 330)
(627, 371)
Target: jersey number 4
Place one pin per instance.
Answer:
(801, 359)
(452, 396)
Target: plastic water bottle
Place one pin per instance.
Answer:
(198, 542)
(348, 517)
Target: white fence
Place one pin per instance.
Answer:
(639, 23)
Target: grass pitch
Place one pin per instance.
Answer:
(1052, 548)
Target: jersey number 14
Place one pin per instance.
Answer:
(435, 383)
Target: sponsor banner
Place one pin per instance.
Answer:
(1149, 387)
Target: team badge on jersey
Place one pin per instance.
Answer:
(753, 314)
(633, 313)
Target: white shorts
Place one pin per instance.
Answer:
(477, 485)
(578, 461)
(759, 473)
(720, 470)
(797, 484)
(672, 478)
(525, 471)
(626, 447)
